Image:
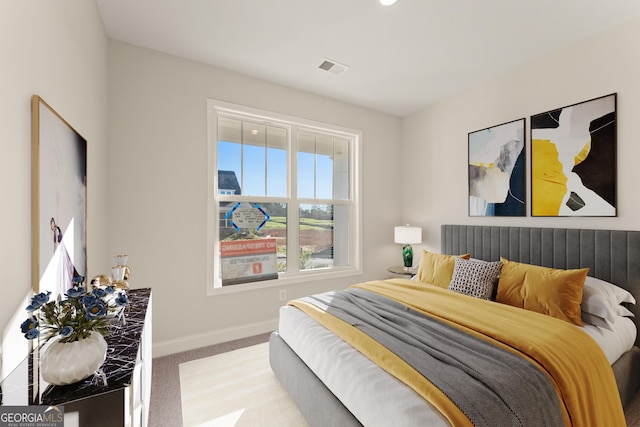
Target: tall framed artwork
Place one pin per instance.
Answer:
(497, 170)
(573, 160)
(59, 201)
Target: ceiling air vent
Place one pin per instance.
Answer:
(333, 66)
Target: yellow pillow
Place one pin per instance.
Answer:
(437, 269)
(554, 292)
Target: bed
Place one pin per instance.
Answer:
(314, 364)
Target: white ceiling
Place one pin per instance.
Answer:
(402, 58)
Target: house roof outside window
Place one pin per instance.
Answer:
(227, 182)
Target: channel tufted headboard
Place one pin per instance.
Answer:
(611, 255)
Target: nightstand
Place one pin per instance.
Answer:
(401, 270)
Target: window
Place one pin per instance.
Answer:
(283, 199)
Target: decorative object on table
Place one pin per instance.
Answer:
(573, 160)
(121, 272)
(77, 324)
(100, 281)
(67, 363)
(59, 201)
(117, 271)
(407, 235)
(497, 170)
(121, 259)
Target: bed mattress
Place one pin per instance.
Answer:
(392, 403)
(355, 376)
(617, 341)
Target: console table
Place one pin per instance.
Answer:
(122, 400)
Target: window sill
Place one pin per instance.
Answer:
(285, 280)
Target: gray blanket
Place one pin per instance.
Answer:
(491, 386)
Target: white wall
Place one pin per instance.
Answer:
(147, 190)
(435, 140)
(58, 50)
(158, 182)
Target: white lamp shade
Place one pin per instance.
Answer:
(406, 234)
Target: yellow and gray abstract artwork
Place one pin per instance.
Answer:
(573, 160)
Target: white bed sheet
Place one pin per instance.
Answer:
(616, 342)
(392, 403)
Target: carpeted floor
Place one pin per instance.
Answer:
(165, 409)
(235, 389)
(167, 402)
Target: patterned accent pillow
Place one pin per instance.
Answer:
(475, 277)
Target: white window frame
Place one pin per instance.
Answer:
(216, 108)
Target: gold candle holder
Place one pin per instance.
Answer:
(121, 272)
(118, 277)
(121, 259)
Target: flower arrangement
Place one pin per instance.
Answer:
(73, 318)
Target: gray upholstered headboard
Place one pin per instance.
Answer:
(611, 255)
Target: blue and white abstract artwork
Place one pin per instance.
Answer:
(497, 170)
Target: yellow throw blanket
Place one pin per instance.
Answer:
(574, 363)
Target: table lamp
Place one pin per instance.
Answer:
(406, 235)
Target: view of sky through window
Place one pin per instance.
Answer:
(252, 177)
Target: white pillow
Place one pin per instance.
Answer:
(624, 311)
(594, 320)
(618, 294)
(596, 303)
(603, 300)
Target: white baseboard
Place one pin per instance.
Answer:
(190, 342)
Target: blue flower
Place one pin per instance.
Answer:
(88, 299)
(122, 299)
(78, 279)
(42, 297)
(33, 333)
(79, 313)
(76, 292)
(109, 289)
(96, 308)
(66, 331)
(38, 301)
(30, 323)
(30, 328)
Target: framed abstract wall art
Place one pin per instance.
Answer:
(59, 201)
(573, 160)
(497, 170)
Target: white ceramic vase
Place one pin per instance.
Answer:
(67, 363)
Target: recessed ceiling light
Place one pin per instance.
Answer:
(387, 2)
